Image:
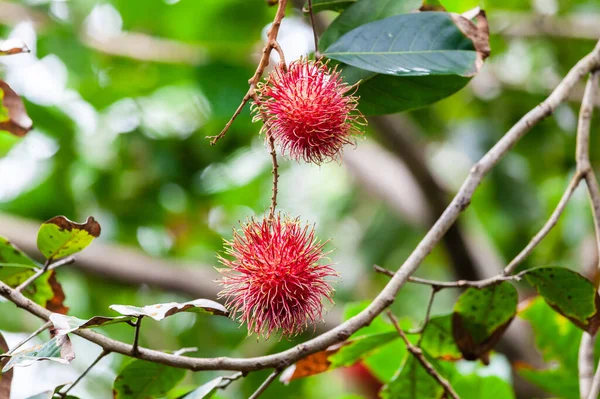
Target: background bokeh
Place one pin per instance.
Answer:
(123, 92)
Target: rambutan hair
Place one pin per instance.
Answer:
(308, 109)
(275, 276)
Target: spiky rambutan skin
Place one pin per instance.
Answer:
(310, 111)
(275, 276)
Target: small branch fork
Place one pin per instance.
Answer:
(271, 45)
(418, 354)
(64, 393)
(386, 297)
(49, 265)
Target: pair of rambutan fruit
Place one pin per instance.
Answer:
(276, 274)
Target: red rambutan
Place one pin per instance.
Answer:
(276, 278)
(310, 111)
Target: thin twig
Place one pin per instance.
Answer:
(43, 328)
(260, 69)
(136, 338)
(314, 29)
(386, 297)
(418, 354)
(454, 284)
(550, 223)
(228, 379)
(100, 357)
(263, 387)
(434, 290)
(47, 266)
(582, 156)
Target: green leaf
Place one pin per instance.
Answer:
(343, 354)
(13, 117)
(59, 237)
(569, 293)
(412, 382)
(437, 339)
(204, 391)
(555, 337)
(421, 44)
(67, 324)
(478, 387)
(363, 12)
(459, 6)
(481, 315)
(557, 381)
(384, 94)
(558, 341)
(16, 268)
(11, 255)
(161, 310)
(142, 380)
(333, 5)
(359, 347)
(58, 349)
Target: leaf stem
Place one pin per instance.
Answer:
(30, 337)
(263, 387)
(418, 354)
(48, 265)
(100, 357)
(136, 338)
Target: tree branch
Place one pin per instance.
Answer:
(260, 69)
(386, 297)
(418, 354)
(263, 387)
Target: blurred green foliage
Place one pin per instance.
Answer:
(123, 139)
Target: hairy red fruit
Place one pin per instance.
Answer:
(309, 111)
(275, 279)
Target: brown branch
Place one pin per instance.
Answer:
(386, 297)
(313, 25)
(260, 69)
(438, 285)
(550, 223)
(47, 266)
(127, 265)
(85, 372)
(43, 328)
(585, 364)
(434, 290)
(582, 155)
(418, 354)
(263, 387)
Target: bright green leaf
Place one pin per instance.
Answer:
(359, 347)
(59, 237)
(478, 387)
(569, 293)
(421, 44)
(363, 12)
(412, 382)
(481, 315)
(555, 381)
(142, 380)
(437, 339)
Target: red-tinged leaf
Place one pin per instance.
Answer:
(481, 315)
(56, 303)
(13, 116)
(13, 46)
(313, 364)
